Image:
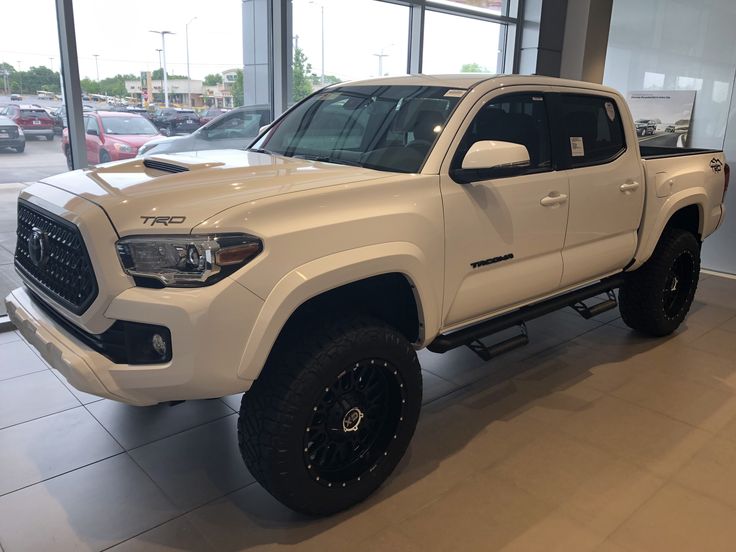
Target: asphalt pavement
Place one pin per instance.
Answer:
(40, 159)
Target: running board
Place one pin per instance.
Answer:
(487, 352)
(446, 342)
(589, 312)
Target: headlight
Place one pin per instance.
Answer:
(123, 148)
(187, 261)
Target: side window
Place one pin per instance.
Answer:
(592, 131)
(237, 125)
(517, 118)
(92, 125)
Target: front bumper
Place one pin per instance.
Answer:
(209, 329)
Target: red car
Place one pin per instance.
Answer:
(35, 121)
(112, 135)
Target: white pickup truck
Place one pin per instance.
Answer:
(373, 219)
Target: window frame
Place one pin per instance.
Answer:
(561, 143)
(455, 166)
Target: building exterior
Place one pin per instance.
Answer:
(179, 89)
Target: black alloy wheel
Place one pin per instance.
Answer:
(354, 423)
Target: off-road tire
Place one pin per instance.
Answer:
(280, 409)
(648, 301)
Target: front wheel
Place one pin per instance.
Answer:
(656, 298)
(332, 414)
(104, 157)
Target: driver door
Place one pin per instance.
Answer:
(504, 235)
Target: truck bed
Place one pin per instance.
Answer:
(660, 152)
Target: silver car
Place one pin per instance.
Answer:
(235, 129)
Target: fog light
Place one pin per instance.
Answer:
(159, 344)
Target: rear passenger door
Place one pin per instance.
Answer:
(606, 184)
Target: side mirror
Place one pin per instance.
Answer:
(93, 132)
(263, 129)
(491, 159)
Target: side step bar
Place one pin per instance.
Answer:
(473, 334)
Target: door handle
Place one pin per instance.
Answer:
(629, 187)
(553, 199)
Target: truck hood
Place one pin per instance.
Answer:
(141, 195)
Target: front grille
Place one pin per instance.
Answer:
(51, 254)
(163, 166)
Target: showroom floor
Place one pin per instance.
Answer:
(590, 438)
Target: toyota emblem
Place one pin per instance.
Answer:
(38, 247)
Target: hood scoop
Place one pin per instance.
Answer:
(163, 166)
(178, 163)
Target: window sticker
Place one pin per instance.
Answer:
(577, 149)
(610, 111)
(454, 93)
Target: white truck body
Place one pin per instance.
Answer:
(469, 252)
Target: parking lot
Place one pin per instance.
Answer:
(40, 159)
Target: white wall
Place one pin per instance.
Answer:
(686, 45)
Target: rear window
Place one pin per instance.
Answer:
(40, 113)
(592, 129)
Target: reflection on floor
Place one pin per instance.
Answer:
(590, 438)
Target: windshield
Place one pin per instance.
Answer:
(128, 126)
(389, 128)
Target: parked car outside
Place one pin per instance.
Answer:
(112, 136)
(34, 121)
(16, 98)
(58, 116)
(11, 135)
(232, 130)
(175, 120)
(212, 113)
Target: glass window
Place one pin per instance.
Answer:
(243, 123)
(390, 128)
(517, 118)
(454, 44)
(328, 49)
(592, 126)
(92, 125)
(134, 125)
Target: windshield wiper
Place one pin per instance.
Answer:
(329, 159)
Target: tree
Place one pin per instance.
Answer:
(111, 86)
(36, 78)
(301, 82)
(473, 68)
(237, 89)
(158, 74)
(213, 79)
(317, 79)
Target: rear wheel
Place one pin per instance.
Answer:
(20, 149)
(332, 414)
(656, 298)
(50, 137)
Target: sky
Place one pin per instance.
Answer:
(354, 31)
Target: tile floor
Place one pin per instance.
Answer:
(590, 438)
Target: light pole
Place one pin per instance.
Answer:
(380, 62)
(189, 78)
(20, 76)
(160, 67)
(163, 52)
(97, 66)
